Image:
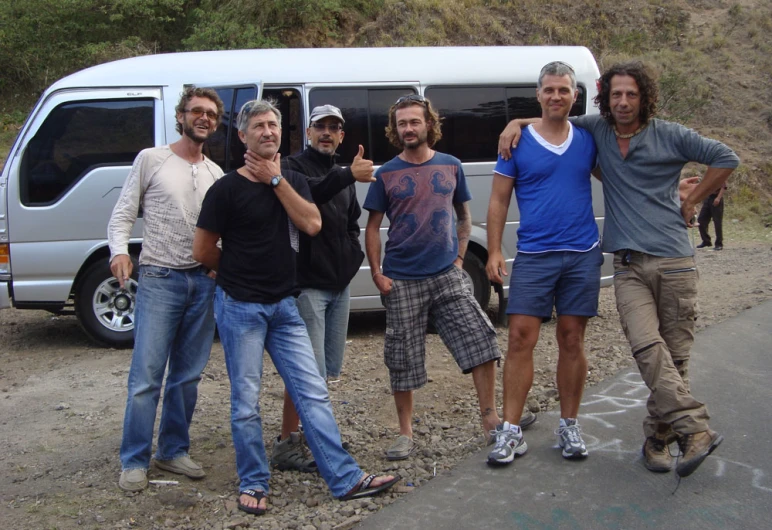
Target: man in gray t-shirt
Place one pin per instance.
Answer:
(655, 277)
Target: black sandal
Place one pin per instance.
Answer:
(255, 494)
(363, 489)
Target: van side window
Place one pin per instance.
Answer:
(78, 137)
(366, 111)
(473, 116)
(293, 134)
(224, 147)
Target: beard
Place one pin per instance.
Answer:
(195, 134)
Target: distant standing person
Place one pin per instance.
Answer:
(655, 276)
(419, 190)
(712, 209)
(173, 321)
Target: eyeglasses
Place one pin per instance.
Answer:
(332, 127)
(197, 113)
(417, 98)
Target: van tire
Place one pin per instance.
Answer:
(475, 268)
(96, 297)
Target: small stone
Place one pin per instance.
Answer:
(62, 406)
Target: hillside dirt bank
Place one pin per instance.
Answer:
(62, 400)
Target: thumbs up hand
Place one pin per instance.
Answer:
(361, 168)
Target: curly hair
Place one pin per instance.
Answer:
(647, 85)
(191, 92)
(431, 116)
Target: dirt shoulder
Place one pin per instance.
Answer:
(62, 400)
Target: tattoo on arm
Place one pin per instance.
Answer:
(463, 226)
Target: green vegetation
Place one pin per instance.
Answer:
(712, 56)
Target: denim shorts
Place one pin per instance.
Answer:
(566, 280)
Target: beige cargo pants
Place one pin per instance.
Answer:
(656, 299)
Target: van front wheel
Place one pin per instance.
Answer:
(104, 310)
(475, 269)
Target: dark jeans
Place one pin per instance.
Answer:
(716, 213)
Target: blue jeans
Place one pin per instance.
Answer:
(246, 329)
(173, 323)
(326, 316)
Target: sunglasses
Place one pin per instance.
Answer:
(416, 98)
(197, 113)
(332, 127)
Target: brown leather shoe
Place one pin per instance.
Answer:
(656, 455)
(696, 448)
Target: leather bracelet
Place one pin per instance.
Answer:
(462, 257)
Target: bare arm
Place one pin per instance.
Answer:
(373, 250)
(205, 249)
(511, 135)
(463, 231)
(304, 214)
(719, 196)
(714, 178)
(498, 206)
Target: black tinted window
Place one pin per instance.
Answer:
(473, 117)
(77, 137)
(224, 147)
(366, 111)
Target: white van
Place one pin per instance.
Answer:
(68, 164)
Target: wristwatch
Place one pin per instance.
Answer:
(275, 180)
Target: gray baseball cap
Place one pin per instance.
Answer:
(325, 111)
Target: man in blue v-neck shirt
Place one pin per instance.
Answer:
(558, 258)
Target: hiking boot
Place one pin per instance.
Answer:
(509, 444)
(133, 480)
(704, 245)
(570, 439)
(290, 454)
(183, 465)
(694, 449)
(402, 448)
(656, 455)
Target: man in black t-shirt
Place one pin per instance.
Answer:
(257, 214)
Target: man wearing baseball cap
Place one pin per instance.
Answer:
(326, 263)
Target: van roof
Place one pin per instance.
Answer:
(446, 65)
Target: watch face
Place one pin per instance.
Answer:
(275, 181)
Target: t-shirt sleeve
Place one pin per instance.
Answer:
(376, 195)
(298, 182)
(214, 208)
(506, 168)
(462, 193)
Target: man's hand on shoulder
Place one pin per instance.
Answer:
(262, 169)
(361, 168)
(510, 136)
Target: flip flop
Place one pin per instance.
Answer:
(364, 489)
(255, 494)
